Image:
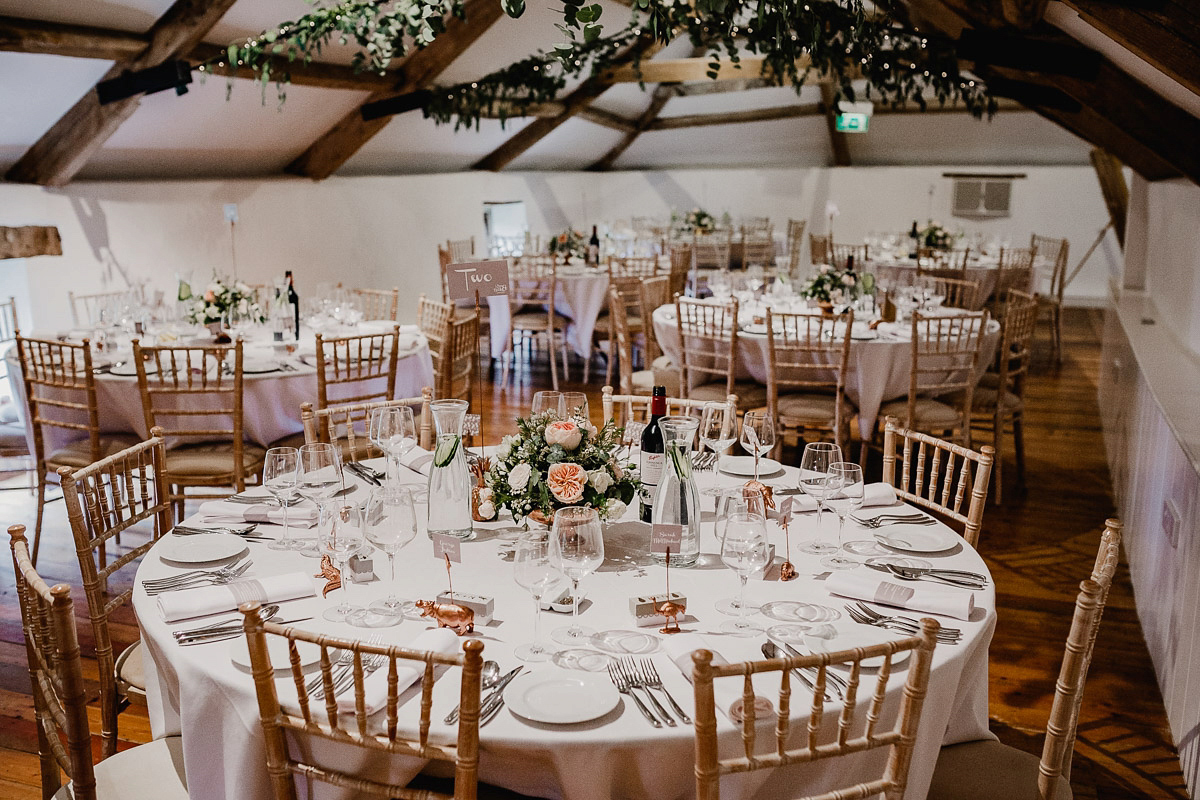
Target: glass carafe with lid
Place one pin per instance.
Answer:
(449, 479)
(676, 500)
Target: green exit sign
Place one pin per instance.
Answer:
(853, 123)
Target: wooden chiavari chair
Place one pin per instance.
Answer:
(820, 249)
(312, 721)
(958, 293)
(433, 318)
(840, 255)
(756, 224)
(654, 292)
(195, 395)
(989, 770)
(712, 250)
(758, 243)
(1050, 293)
(461, 250)
(86, 308)
(681, 267)
(820, 743)
(348, 426)
(126, 491)
(939, 475)
(152, 771)
(621, 348)
(354, 366)
(457, 374)
(1017, 276)
(945, 359)
(633, 267)
(795, 236)
(808, 356)
(623, 408)
(60, 400)
(534, 283)
(708, 342)
(378, 303)
(628, 293)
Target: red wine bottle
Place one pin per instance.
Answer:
(293, 301)
(594, 248)
(650, 464)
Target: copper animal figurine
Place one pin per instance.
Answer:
(457, 618)
(331, 574)
(754, 489)
(787, 571)
(671, 611)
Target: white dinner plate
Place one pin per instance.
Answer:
(625, 642)
(847, 640)
(129, 369)
(277, 649)
(259, 367)
(200, 548)
(917, 538)
(744, 465)
(561, 697)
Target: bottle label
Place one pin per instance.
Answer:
(650, 467)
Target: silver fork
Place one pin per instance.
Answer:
(189, 574)
(623, 686)
(631, 672)
(222, 576)
(188, 530)
(869, 616)
(879, 522)
(339, 665)
(345, 677)
(650, 677)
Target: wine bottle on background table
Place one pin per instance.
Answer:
(650, 465)
(915, 245)
(294, 301)
(594, 248)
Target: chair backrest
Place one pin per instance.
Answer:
(8, 320)
(945, 359)
(1018, 277)
(56, 674)
(795, 238)
(758, 246)
(756, 225)
(654, 292)
(104, 500)
(86, 308)
(708, 341)
(623, 408)
(819, 249)
(351, 422)
(533, 281)
(378, 303)
(938, 475)
(681, 265)
(358, 365)
(444, 261)
(633, 267)
(456, 370)
(712, 250)
(809, 352)
(958, 293)
(433, 318)
(840, 254)
(60, 391)
(1059, 747)
(1016, 340)
(461, 249)
(309, 721)
(1054, 251)
(821, 740)
(618, 313)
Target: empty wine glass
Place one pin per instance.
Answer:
(320, 478)
(718, 427)
(758, 435)
(576, 549)
(547, 401)
(341, 538)
(534, 571)
(744, 549)
(814, 481)
(845, 494)
(281, 474)
(720, 285)
(574, 405)
(394, 431)
(390, 524)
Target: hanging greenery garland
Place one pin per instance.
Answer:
(797, 40)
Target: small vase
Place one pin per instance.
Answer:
(475, 506)
(541, 518)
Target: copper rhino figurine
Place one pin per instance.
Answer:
(459, 619)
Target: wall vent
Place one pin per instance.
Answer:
(982, 196)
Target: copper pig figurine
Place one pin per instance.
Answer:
(449, 615)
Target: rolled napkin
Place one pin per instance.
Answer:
(727, 692)
(866, 585)
(221, 512)
(438, 640)
(874, 494)
(188, 603)
(418, 460)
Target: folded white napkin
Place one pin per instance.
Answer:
(174, 606)
(868, 585)
(375, 685)
(727, 692)
(407, 341)
(418, 459)
(220, 511)
(874, 494)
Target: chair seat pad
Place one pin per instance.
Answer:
(12, 438)
(988, 770)
(749, 395)
(295, 440)
(929, 413)
(209, 459)
(801, 407)
(666, 374)
(129, 666)
(644, 381)
(537, 321)
(985, 398)
(78, 453)
(152, 771)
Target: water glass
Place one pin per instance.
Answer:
(534, 571)
(718, 427)
(320, 477)
(390, 524)
(281, 474)
(576, 550)
(341, 538)
(744, 549)
(844, 496)
(758, 435)
(394, 431)
(547, 401)
(818, 457)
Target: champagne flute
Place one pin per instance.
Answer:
(576, 549)
(744, 549)
(394, 431)
(390, 524)
(548, 401)
(534, 571)
(845, 495)
(320, 479)
(718, 428)
(281, 474)
(340, 540)
(814, 481)
(758, 435)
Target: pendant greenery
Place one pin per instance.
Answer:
(797, 40)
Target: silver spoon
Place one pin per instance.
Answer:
(488, 678)
(266, 614)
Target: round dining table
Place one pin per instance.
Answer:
(275, 382)
(901, 270)
(581, 294)
(202, 693)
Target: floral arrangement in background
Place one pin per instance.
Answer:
(569, 243)
(695, 220)
(220, 297)
(829, 285)
(552, 463)
(935, 236)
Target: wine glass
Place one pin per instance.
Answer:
(534, 571)
(744, 549)
(281, 474)
(547, 401)
(320, 477)
(814, 481)
(720, 285)
(341, 538)
(574, 405)
(718, 428)
(394, 431)
(576, 549)
(758, 435)
(845, 495)
(390, 524)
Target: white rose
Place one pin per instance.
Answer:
(600, 480)
(848, 279)
(615, 509)
(505, 447)
(487, 510)
(518, 479)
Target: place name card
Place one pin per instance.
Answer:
(664, 535)
(488, 278)
(785, 508)
(447, 546)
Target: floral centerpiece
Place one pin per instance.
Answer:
(829, 286)
(552, 463)
(695, 220)
(220, 297)
(569, 243)
(935, 236)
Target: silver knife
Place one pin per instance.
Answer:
(949, 573)
(495, 700)
(452, 717)
(217, 634)
(772, 650)
(832, 679)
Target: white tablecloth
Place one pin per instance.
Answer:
(981, 270)
(879, 369)
(580, 297)
(198, 692)
(271, 400)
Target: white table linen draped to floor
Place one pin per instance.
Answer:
(271, 399)
(198, 692)
(581, 295)
(879, 368)
(982, 270)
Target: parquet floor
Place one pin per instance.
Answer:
(1039, 546)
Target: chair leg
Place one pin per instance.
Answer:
(998, 463)
(553, 365)
(1058, 334)
(1018, 424)
(566, 367)
(37, 528)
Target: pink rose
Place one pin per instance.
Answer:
(209, 296)
(565, 433)
(566, 482)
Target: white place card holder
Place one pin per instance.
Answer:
(483, 606)
(487, 278)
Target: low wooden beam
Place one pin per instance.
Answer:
(30, 241)
(316, 74)
(837, 139)
(607, 119)
(678, 70)
(720, 87)
(1112, 185)
(735, 117)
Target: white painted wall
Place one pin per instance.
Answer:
(1172, 256)
(382, 231)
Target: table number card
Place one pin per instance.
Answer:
(489, 278)
(447, 546)
(785, 508)
(664, 535)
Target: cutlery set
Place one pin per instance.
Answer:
(865, 615)
(627, 675)
(228, 629)
(342, 671)
(808, 675)
(372, 476)
(950, 577)
(196, 577)
(894, 519)
(246, 532)
(703, 461)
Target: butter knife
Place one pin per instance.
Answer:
(772, 650)
(220, 634)
(831, 678)
(495, 700)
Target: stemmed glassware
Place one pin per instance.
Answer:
(534, 571)
(720, 285)
(281, 474)
(814, 481)
(390, 524)
(547, 401)
(320, 478)
(341, 538)
(758, 435)
(394, 431)
(744, 549)
(576, 549)
(574, 405)
(845, 494)
(718, 428)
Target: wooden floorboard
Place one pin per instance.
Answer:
(1039, 546)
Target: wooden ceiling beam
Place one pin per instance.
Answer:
(1113, 187)
(326, 155)
(721, 87)
(696, 69)
(30, 240)
(606, 118)
(837, 139)
(64, 149)
(658, 100)
(735, 117)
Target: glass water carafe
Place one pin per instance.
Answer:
(449, 479)
(677, 502)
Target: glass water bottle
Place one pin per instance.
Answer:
(676, 501)
(449, 479)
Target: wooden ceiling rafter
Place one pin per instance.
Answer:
(838, 141)
(66, 147)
